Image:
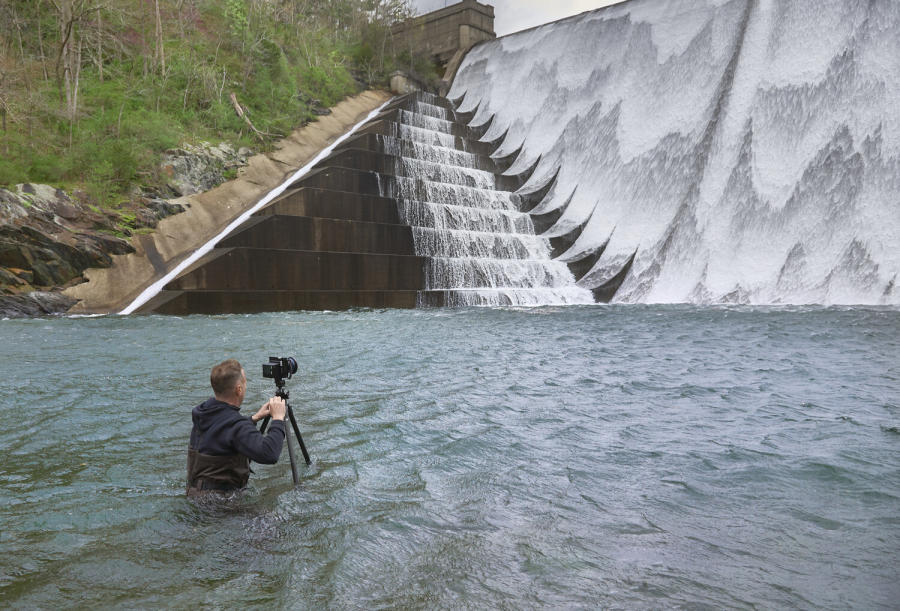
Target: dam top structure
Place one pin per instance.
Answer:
(447, 32)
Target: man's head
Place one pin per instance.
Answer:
(229, 382)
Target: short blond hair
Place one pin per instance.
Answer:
(225, 376)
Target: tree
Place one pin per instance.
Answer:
(159, 54)
(68, 56)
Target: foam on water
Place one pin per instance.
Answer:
(740, 150)
(487, 273)
(450, 216)
(480, 248)
(446, 173)
(426, 136)
(433, 191)
(428, 152)
(426, 122)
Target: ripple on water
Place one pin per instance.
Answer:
(662, 456)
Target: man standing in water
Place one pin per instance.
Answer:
(223, 442)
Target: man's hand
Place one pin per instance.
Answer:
(262, 413)
(277, 408)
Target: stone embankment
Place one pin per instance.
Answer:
(48, 237)
(194, 169)
(56, 251)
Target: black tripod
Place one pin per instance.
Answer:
(281, 392)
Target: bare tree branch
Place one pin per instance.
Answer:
(240, 112)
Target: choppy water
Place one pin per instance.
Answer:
(630, 457)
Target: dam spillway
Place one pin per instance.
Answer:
(715, 151)
(410, 211)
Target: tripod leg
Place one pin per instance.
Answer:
(297, 432)
(287, 440)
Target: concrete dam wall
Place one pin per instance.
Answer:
(710, 151)
(740, 151)
(410, 211)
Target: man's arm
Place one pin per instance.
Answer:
(264, 449)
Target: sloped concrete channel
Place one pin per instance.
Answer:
(412, 211)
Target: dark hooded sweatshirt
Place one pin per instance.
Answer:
(223, 442)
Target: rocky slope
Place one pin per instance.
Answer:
(49, 237)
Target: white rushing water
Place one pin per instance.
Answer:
(480, 248)
(745, 150)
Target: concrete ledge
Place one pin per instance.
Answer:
(372, 183)
(242, 269)
(456, 129)
(328, 235)
(391, 165)
(375, 142)
(409, 101)
(365, 182)
(324, 203)
(386, 127)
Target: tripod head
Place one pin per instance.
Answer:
(281, 391)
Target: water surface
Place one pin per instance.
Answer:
(598, 456)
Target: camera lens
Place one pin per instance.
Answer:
(292, 365)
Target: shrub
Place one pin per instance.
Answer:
(157, 131)
(46, 167)
(12, 171)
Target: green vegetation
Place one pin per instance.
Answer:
(92, 91)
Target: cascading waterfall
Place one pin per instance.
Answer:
(437, 172)
(480, 248)
(449, 216)
(713, 151)
(428, 153)
(425, 136)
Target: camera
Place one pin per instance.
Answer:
(280, 368)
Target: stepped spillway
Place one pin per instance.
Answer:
(411, 211)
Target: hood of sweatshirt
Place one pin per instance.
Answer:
(212, 410)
